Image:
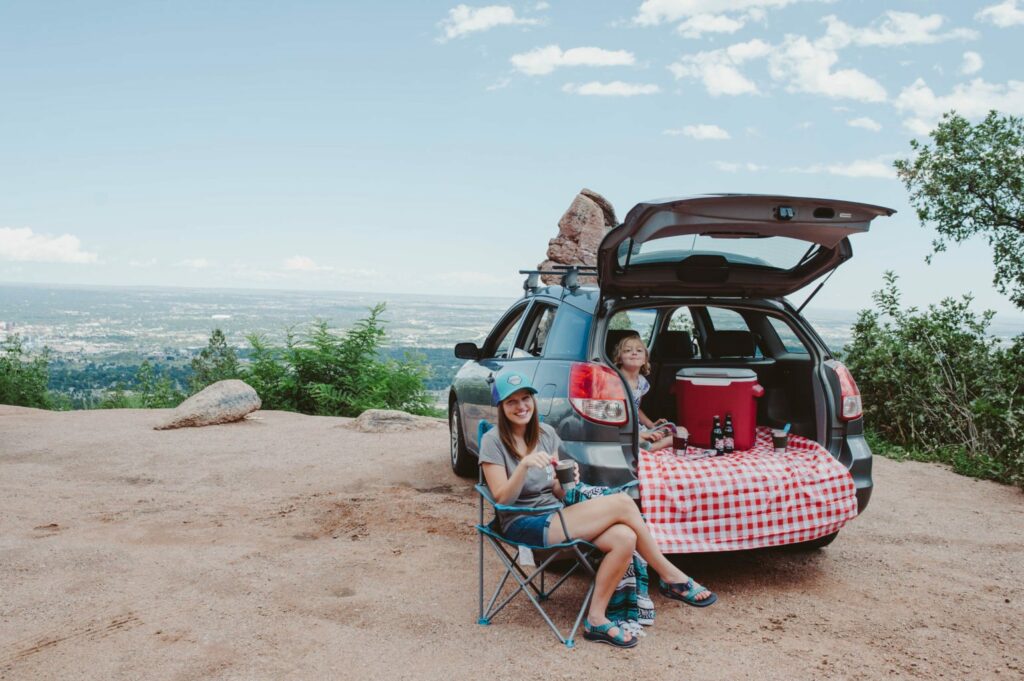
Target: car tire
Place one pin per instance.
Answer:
(463, 463)
(819, 543)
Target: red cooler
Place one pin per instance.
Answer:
(703, 393)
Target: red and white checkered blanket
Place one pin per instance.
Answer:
(744, 500)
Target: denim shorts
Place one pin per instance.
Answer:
(529, 529)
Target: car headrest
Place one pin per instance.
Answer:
(674, 346)
(732, 344)
(613, 338)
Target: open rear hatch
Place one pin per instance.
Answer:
(742, 245)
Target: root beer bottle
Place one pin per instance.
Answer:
(718, 437)
(729, 436)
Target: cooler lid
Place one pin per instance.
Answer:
(717, 372)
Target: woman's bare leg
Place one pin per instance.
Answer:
(617, 543)
(590, 518)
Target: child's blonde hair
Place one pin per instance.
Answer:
(621, 345)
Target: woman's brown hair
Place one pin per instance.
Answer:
(531, 436)
(620, 346)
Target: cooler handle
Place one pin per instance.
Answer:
(758, 390)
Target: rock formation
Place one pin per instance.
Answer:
(221, 402)
(390, 421)
(580, 231)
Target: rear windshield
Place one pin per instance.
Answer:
(777, 251)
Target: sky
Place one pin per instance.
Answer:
(429, 147)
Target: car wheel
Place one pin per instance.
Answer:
(819, 543)
(462, 461)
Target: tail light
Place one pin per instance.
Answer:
(597, 393)
(849, 393)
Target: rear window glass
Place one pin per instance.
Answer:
(777, 251)
(727, 320)
(642, 321)
(787, 337)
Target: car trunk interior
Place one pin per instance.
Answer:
(785, 368)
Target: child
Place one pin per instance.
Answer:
(631, 358)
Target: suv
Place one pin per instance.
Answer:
(703, 281)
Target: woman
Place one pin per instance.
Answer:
(517, 459)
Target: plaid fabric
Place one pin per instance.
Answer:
(744, 500)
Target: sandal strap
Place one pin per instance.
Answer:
(604, 628)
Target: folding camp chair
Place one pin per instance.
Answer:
(509, 551)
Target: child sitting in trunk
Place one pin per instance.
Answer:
(633, 361)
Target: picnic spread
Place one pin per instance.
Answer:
(755, 498)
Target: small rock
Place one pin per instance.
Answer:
(222, 402)
(390, 421)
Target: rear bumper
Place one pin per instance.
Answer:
(858, 455)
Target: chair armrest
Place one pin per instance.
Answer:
(486, 494)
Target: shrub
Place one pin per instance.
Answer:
(937, 386)
(329, 374)
(23, 380)
(216, 362)
(151, 390)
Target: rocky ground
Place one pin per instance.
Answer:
(290, 546)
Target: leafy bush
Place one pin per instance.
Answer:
(330, 374)
(151, 390)
(936, 386)
(216, 362)
(23, 380)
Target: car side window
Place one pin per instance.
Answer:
(641, 320)
(499, 343)
(534, 333)
(790, 341)
(724, 319)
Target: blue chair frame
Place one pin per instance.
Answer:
(508, 552)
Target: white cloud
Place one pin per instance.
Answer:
(149, 262)
(864, 122)
(463, 19)
(499, 84)
(719, 70)
(541, 6)
(731, 167)
(807, 66)
(699, 24)
(972, 63)
(543, 60)
(971, 100)
(876, 168)
(701, 131)
(301, 263)
(196, 263)
(654, 12)
(23, 245)
(616, 88)
(891, 30)
(1003, 15)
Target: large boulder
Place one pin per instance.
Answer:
(580, 231)
(391, 421)
(221, 402)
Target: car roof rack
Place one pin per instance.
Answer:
(570, 275)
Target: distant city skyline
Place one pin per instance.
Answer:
(431, 147)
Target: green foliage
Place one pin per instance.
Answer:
(23, 380)
(971, 182)
(937, 387)
(216, 362)
(321, 372)
(151, 390)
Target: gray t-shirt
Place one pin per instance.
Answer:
(539, 482)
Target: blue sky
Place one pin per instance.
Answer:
(431, 147)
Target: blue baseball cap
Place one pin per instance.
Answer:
(509, 382)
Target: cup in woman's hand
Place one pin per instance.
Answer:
(566, 472)
(679, 443)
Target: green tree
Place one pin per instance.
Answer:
(216, 362)
(23, 380)
(150, 390)
(970, 182)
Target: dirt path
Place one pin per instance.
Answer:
(293, 547)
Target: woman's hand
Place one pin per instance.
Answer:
(538, 459)
(576, 472)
